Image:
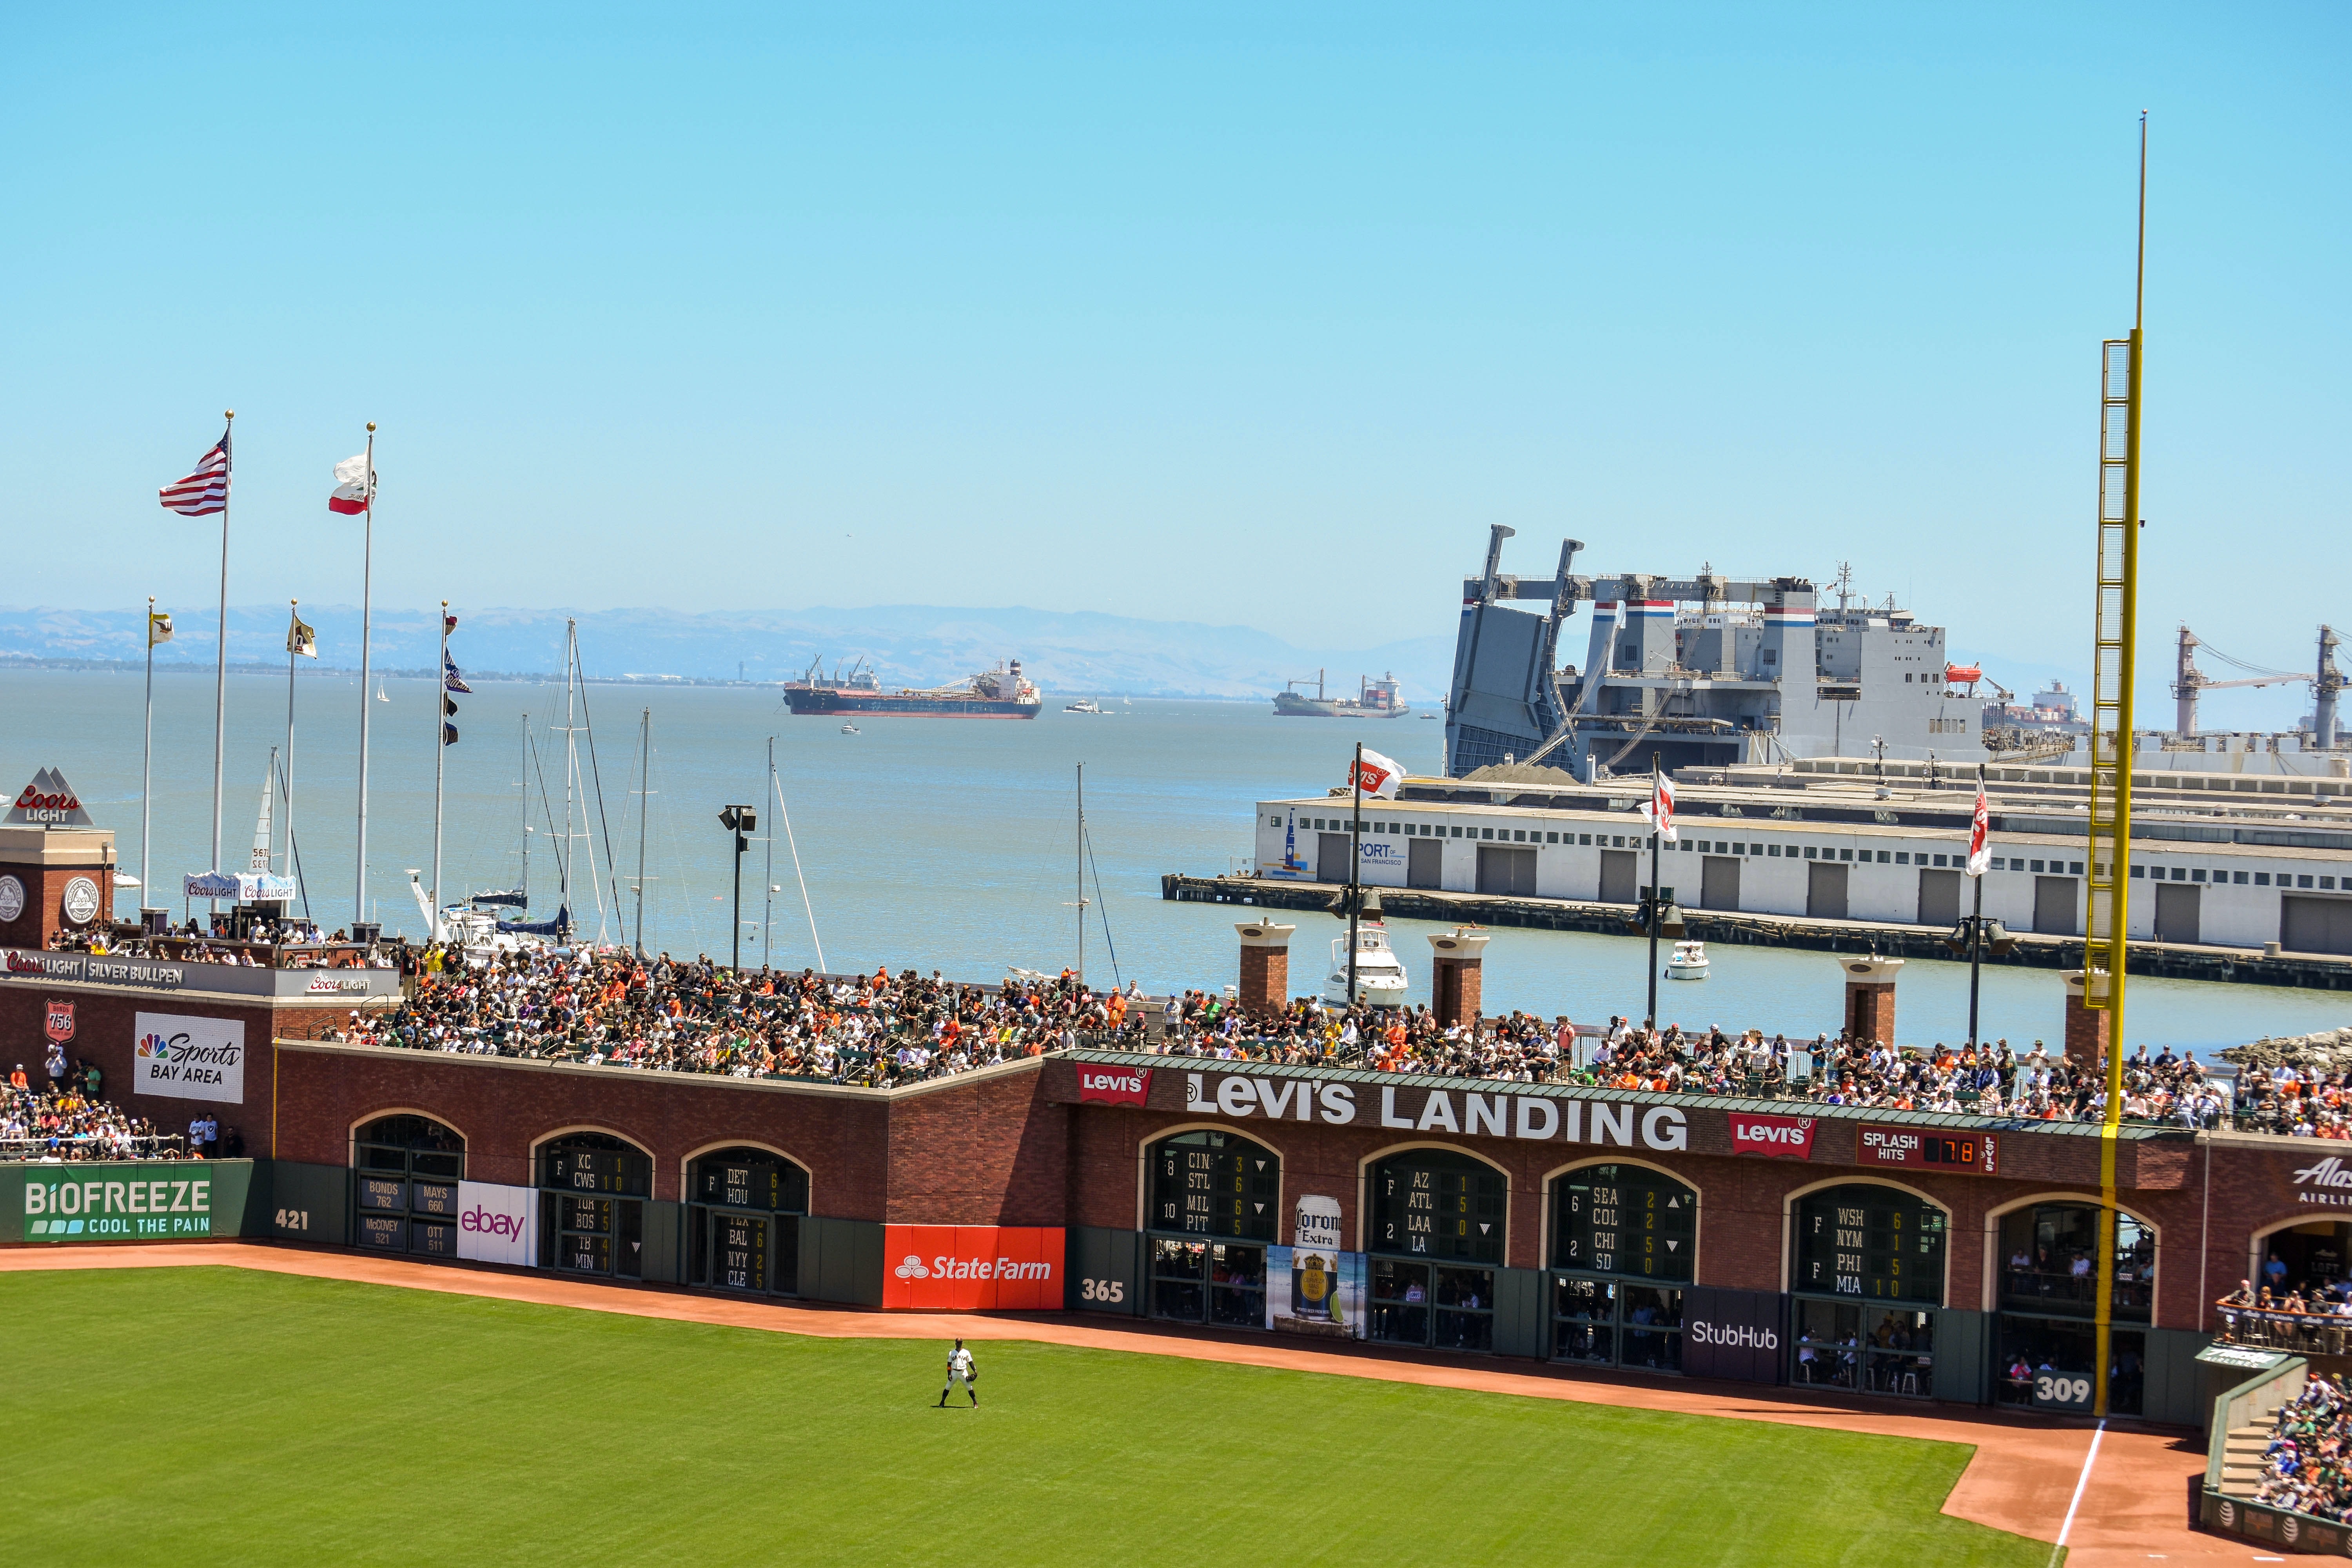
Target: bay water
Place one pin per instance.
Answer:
(936, 844)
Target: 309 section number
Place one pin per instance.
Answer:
(1107, 1291)
(2054, 1389)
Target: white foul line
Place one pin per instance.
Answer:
(2080, 1482)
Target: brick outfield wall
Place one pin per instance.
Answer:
(980, 1149)
(1743, 1229)
(106, 1033)
(1012, 1147)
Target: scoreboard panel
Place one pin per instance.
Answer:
(1867, 1242)
(1624, 1219)
(1428, 1203)
(750, 1179)
(623, 1171)
(1213, 1184)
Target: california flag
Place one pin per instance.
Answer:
(355, 486)
(1378, 775)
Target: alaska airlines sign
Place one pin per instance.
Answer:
(1462, 1113)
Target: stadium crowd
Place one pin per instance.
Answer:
(66, 1119)
(608, 1008)
(2306, 1467)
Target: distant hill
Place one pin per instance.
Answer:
(910, 645)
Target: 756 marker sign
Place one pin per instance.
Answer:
(57, 1021)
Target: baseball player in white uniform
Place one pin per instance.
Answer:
(960, 1370)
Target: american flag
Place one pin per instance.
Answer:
(204, 492)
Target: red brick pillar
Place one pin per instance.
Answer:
(1870, 998)
(2086, 1028)
(1456, 970)
(1265, 967)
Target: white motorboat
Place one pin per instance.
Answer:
(1689, 962)
(1379, 973)
(1084, 705)
(848, 728)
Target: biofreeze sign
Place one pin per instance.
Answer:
(128, 1203)
(1463, 1112)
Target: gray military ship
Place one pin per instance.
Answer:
(1699, 670)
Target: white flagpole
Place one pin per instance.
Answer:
(147, 767)
(294, 619)
(220, 667)
(440, 749)
(367, 589)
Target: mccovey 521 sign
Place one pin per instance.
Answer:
(1414, 1109)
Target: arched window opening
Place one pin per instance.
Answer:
(404, 1190)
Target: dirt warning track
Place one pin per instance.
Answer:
(2134, 1505)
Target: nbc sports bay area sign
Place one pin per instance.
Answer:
(183, 1056)
(182, 1200)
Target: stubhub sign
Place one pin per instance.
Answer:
(498, 1224)
(971, 1267)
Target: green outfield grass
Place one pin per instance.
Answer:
(200, 1415)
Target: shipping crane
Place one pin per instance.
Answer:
(2188, 680)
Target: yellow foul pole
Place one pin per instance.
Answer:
(2116, 624)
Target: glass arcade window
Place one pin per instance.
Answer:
(743, 1220)
(2050, 1262)
(1869, 1350)
(591, 1214)
(1216, 1183)
(405, 1184)
(1434, 1203)
(1623, 1219)
(1863, 1241)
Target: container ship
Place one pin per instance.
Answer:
(1374, 699)
(999, 693)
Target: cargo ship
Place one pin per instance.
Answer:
(1374, 699)
(999, 693)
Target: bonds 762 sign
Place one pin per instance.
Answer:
(185, 1058)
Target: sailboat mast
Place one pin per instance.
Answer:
(440, 758)
(644, 795)
(570, 755)
(768, 899)
(1082, 873)
(294, 613)
(523, 792)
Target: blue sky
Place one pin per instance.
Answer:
(1255, 314)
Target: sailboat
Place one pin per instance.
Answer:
(379, 696)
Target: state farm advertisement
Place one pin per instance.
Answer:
(1114, 1085)
(971, 1267)
(1774, 1137)
(498, 1224)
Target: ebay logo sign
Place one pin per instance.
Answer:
(498, 1223)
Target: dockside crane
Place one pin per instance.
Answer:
(2189, 682)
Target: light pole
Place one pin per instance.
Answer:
(740, 821)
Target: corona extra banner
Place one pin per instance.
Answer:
(971, 1267)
